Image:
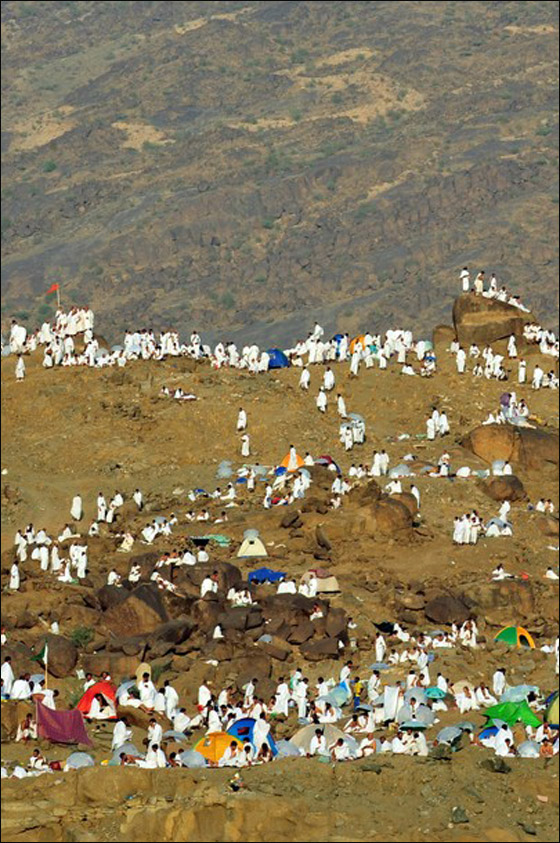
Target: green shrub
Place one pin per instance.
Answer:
(228, 301)
(49, 166)
(81, 636)
(158, 670)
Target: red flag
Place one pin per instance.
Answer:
(52, 289)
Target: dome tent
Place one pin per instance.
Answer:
(107, 691)
(244, 730)
(213, 746)
(515, 636)
(551, 714)
(277, 359)
(252, 545)
(285, 464)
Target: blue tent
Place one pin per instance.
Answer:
(266, 575)
(278, 359)
(243, 730)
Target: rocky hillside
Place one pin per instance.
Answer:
(234, 163)
(78, 429)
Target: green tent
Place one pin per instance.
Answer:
(513, 712)
(552, 712)
(515, 636)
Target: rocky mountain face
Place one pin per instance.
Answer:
(258, 164)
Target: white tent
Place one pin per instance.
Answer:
(251, 546)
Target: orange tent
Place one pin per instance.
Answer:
(286, 461)
(106, 689)
(213, 746)
(356, 340)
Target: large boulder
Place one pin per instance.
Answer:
(229, 576)
(173, 632)
(241, 618)
(531, 449)
(316, 651)
(142, 611)
(510, 600)
(408, 499)
(447, 608)
(321, 476)
(483, 321)
(301, 633)
(110, 596)
(205, 614)
(443, 336)
(118, 665)
(548, 525)
(387, 518)
(291, 519)
(244, 668)
(370, 493)
(276, 648)
(507, 488)
(62, 655)
(292, 609)
(13, 712)
(313, 504)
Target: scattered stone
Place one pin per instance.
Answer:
(459, 815)
(495, 765)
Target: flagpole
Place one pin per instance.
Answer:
(58, 296)
(46, 666)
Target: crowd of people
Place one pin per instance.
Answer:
(386, 708)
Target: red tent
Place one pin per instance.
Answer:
(61, 726)
(106, 689)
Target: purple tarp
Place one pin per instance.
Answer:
(61, 726)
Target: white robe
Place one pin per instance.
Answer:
(76, 510)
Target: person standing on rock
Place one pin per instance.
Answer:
(522, 372)
(461, 360)
(384, 462)
(465, 278)
(479, 284)
(443, 424)
(538, 376)
(245, 445)
(499, 683)
(14, 577)
(380, 647)
(20, 369)
(305, 378)
(430, 429)
(76, 510)
(282, 698)
(299, 694)
(321, 401)
(101, 507)
(512, 347)
(7, 676)
(241, 420)
(328, 379)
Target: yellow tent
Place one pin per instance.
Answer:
(213, 746)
